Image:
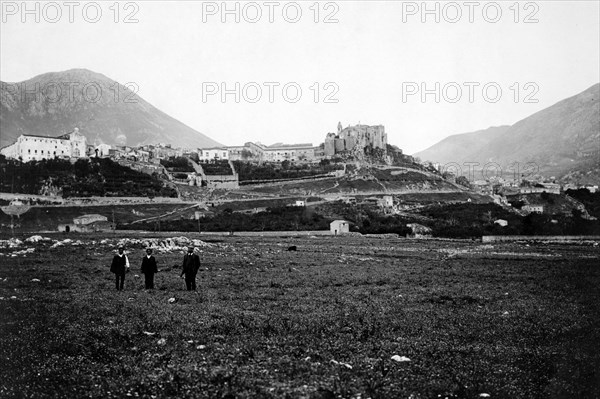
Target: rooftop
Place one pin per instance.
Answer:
(289, 146)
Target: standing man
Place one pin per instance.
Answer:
(190, 267)
(149, 268)
(119, 266)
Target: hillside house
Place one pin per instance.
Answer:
(387, 202)
(501, 222)
(165, 151)
(533, 208)
(102, 150)
(213, 154)
(339, 227)
(499, 199)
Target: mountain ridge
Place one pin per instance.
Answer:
(104, 110)
(559, 139)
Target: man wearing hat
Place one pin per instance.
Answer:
(149, 268)
(119, 266)
(190, 267)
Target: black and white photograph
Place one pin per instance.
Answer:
(313, 199)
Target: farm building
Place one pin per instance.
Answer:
(339, 227)
(87, 224)
(386, 202)
(501, 222)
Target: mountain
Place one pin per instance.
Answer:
(459, 147)
(561, 139)
(104, 111)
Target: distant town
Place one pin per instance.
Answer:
(213, 167)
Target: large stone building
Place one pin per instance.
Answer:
(29, 147)
(355, 139)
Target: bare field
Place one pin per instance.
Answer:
(506, 320)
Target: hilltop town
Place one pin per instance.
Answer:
(351, 140)
(211, 167)
(354, 178)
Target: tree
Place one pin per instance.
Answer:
(463, 181)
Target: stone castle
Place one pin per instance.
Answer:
(353, 139)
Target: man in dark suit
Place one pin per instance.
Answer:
(190, 267)
(119, 266)
(149, 268)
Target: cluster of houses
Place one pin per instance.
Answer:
(74, 145)
(539, 185)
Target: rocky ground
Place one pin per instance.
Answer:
(341, 317)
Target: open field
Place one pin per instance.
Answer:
(508, 320)
(47, 218)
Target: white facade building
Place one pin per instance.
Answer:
(103, 150)
(290, 152)
(212, 154)
(34, 148)
(533, 208)
(339, 227)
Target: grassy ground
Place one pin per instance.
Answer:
(509, 320)
(48, 218)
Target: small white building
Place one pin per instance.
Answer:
(499, 199)
(339, 227)
(102, 150)
(300, 203)
(386, 202)
(533, 208)
(501, 222)
(142, 156)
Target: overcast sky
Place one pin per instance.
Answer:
(374, 61)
